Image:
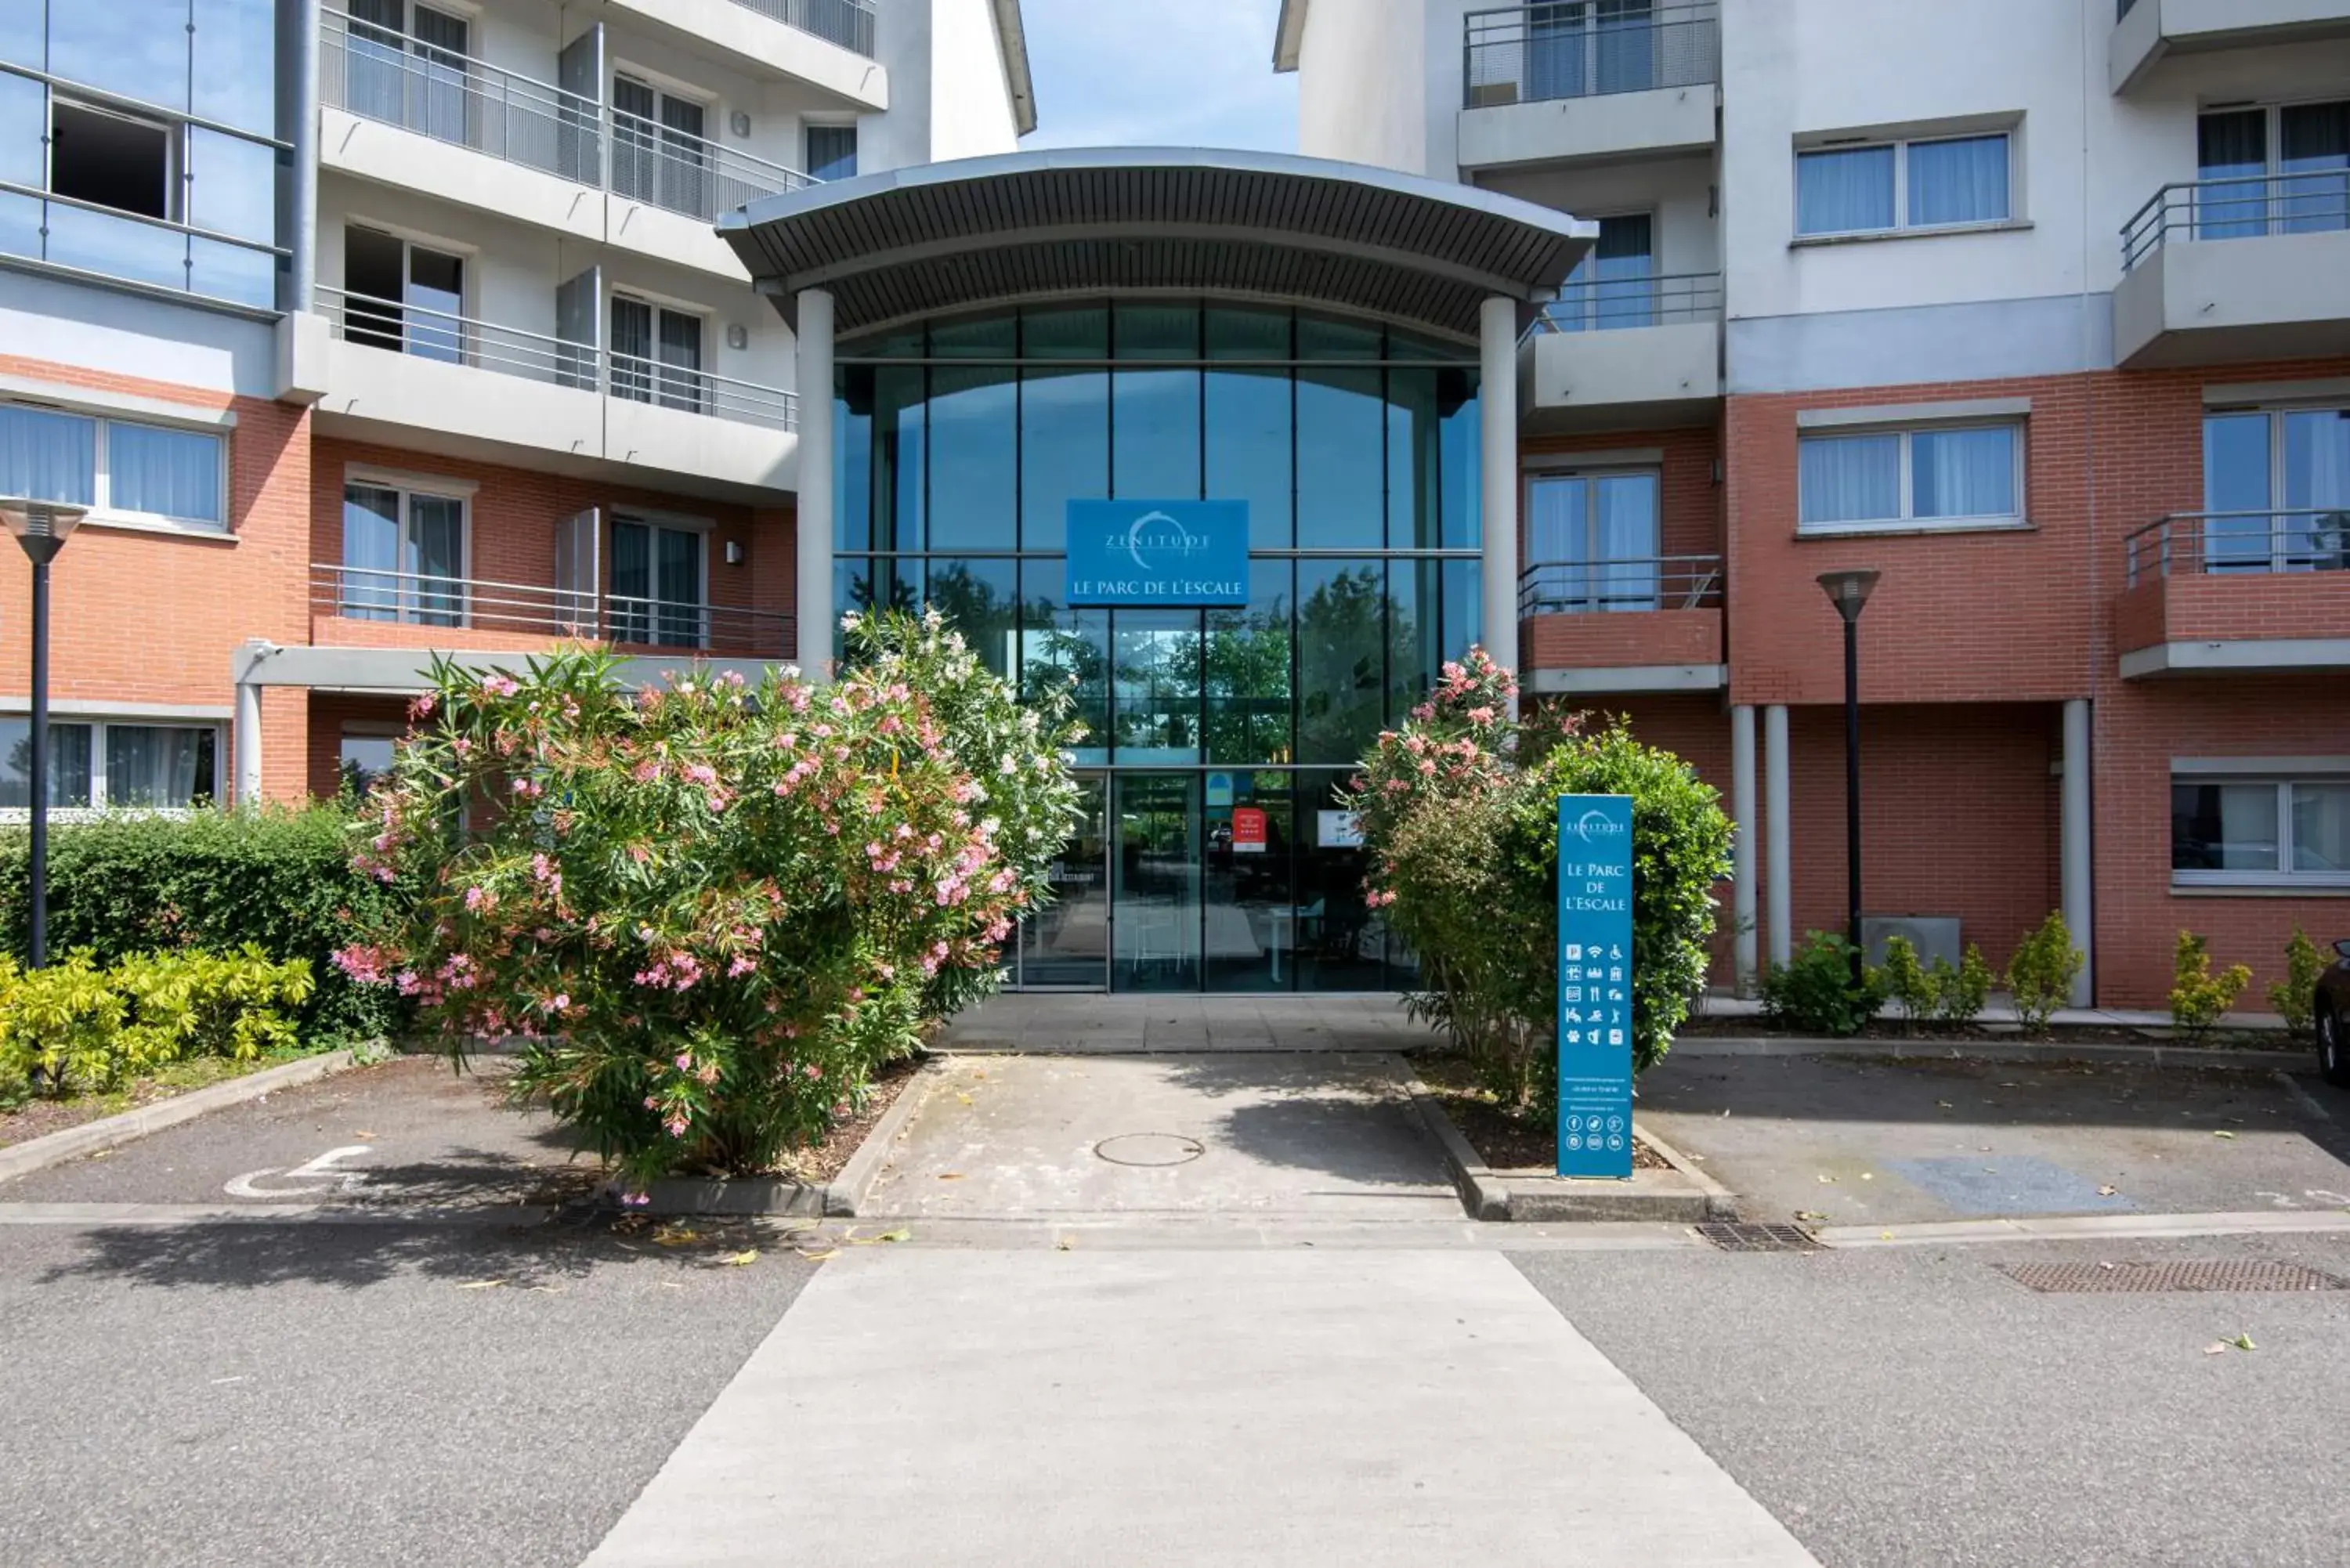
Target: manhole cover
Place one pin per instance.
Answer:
(1740, 1237)
(2231, 1274)
(1150, 1149)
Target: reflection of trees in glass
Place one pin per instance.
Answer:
(1156, 670)
(985, 612)
(1054, 653)
(1247, 675)
(1348, 634)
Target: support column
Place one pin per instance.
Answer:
(1741, 810)
(297, 162)
(248, 744)
(813, 522)
(1497, 419)
(1780, 876)
(2079, 864)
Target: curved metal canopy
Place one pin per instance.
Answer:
(942, 236)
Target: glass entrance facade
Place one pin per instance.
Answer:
(1214, 856)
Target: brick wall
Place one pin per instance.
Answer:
(1612, 641)
(146, 616)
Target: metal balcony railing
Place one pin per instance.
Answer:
(1584, 48)
(2314, 200)
(430, 599)
(427, 334)
(1653, 583)
(386, 76)
(1611, 304)
(642, 380)
(690, 174)
(2292, 539)
(849, 23)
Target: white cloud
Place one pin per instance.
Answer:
(1152, 73)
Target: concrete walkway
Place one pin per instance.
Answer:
(1066, 1409)
(1072, 1022)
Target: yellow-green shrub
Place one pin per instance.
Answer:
(75, 1027)
(2199, 998)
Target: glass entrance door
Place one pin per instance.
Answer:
(1065, 946)
(1155, 882)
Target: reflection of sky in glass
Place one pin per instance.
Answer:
(137, 48)
(235, 63)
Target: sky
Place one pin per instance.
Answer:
(1158, 73)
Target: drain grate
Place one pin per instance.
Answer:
(1741, 1238)
(2116, 1278)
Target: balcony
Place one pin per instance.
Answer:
(525, 150)
(827, 44)
(367, 607)
(1539, 88)
(1645, 625)
(1624, 354)
(2226, 592)
(395, 369)
(2217, 271)
(2148, 31)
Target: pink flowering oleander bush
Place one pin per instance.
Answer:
(1459, 811)
(708, 912)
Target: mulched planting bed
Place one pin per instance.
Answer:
(2060, 1034)
(824, 1160)
(38, 1118)
(1504, 1139)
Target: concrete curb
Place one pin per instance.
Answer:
(1684, 1195)
(781, 1195)
(107, 1132)
(1990, 1050)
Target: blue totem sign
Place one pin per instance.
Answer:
(1594, 985)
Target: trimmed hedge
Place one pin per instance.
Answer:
(278, 879)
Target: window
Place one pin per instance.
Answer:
(362, 758)
(1579, 47)
(402, 297)
(123, 766)
(1898, 185)
(113, 466)
(415, 75)
(2276, 490)
(2260, 832)
(656, 354)
(1946, 475)
(403, 556)
(1614, 283)
(1591, 541)
(832, 151)
(2280, 170)
(658, 585)
(659, 153)
(111, 159)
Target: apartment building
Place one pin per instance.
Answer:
(384, 326)
(2041, 308)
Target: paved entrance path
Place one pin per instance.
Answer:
(1034, 1020)
(923, 1406)
(1324, 1135)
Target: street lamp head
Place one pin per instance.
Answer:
(40, 527)
(1848, 590)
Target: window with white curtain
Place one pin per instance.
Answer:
(1945, 182)
(114, 466)
(2258, 831)
(1592, 541)
(98, 766)
(1931, 476)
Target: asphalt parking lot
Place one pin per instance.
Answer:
(1847, 1140)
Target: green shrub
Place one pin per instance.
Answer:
(1814, 994)
(2295, 997)
(2199, 998)
(1912, 987)
(75, 1027)
(708, 911)
(2040, 975)
(1960, 993)
(275, 878)
(1459, 811)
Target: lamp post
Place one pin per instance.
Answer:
(1848, 591)
(41, 528)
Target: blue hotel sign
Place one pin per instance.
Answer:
(1594, 985)
(1158, 553)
